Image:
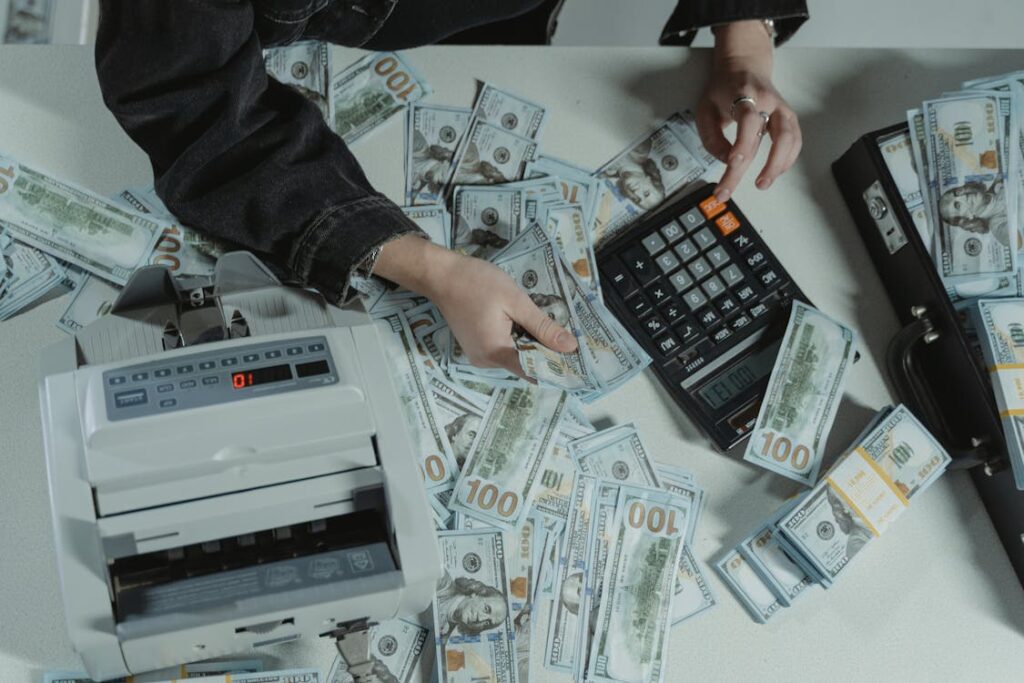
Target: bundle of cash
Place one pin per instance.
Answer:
(803, 395)
(960, 173)
(395, 654)
(1000, 325)
(813, 538)
(27, 275)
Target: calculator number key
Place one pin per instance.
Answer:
(692, 219)
(667, 262)
(704, 238)
(686, 250)
(713, 287)
(681, 280)
(672, 232)
(699, 268)
(695, 299)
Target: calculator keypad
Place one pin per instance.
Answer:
(697, 284)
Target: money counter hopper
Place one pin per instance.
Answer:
(229, 468)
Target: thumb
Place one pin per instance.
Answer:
(541, 327)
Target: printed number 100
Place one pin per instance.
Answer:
(487, 497)
(781, 449)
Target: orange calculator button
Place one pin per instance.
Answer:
(711, 207)
(727, 223)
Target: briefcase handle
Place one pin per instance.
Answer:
(912, 389)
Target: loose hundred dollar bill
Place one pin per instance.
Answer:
(965, 142)
(639, 179)
(617, 453)
(28, 21)
(500, 478)
(473, 627)
(490, 155)
(73, 224)
(92, 299)
(577, 185)
(564, 624)
(432, 137)
(430, 441)
(369, 92)
(396, 647)
(556, 481)
(485, 219)
(631, 634)
(599, 542)
(864, 492)
(1000, 325)
(306, 66)
(513, 113)
(748, 587)
(803, 395)
(566, 224)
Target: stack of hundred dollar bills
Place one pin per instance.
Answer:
(960, 172)
(812, 538)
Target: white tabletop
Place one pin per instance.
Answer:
(935, 599)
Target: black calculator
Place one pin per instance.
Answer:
(699, 290)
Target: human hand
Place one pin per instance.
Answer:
(480, 302)
(742, 67)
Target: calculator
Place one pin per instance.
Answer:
(699, 290)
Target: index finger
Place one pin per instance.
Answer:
(743, 151)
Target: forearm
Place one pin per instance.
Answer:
(235, 153)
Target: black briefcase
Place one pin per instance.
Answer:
(930, 361)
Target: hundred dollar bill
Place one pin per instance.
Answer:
(430, 442)
(693, 593)
(500, 478)
(73, 224)
(577, 185)
(803, 395)
(459, 415)
(864, 492)
(631, 633)
(519, 561)
(686, 489)
(395, 650)
(432, 137)
(369, 92)
(617, 453)
(599, 541)
(183, 250)
(491, 155)
(485, 220)
(306, 66)
(566, 224)
(512, 113)
(748, 587)
(897, 154)
(639, 179)
(473, 627)
(926, 183)
(965, 141)
(556, 481)
(433, 219)
(29, 21)
(1000, 328)
(91, 300)
(566, 616)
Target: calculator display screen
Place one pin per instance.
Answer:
(739, 377)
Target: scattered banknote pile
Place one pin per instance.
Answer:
(813, 537)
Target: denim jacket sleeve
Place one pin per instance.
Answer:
(691, 15)
(235, 153)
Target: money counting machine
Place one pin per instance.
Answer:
(229, 468)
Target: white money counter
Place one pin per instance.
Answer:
(935, 599)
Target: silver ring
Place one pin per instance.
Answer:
(742, 99)
(767, 119)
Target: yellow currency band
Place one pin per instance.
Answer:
(852, 506)
(1012, 412)
(884, 476)
(1006, 366)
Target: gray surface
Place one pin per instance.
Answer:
(935, 600)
